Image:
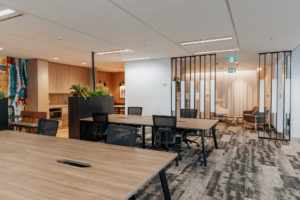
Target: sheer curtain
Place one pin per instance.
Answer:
(237, 91)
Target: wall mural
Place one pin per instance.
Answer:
(13, 81)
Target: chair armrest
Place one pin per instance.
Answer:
(247, 112)
(259, 115)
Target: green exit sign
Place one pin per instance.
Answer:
(231, 70)
(231, 59)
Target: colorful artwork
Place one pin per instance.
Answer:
(13, 81)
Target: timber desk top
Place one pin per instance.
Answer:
(184, 123)
(29, 168)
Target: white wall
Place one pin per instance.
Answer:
(295, 119)
(148, 85)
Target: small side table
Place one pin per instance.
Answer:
(233, 119)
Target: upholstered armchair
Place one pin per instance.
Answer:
(255, 118)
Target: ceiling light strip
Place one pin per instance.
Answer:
(216, 51)
(6, 12)
(205, 41)
(135, 59)
(114, 52)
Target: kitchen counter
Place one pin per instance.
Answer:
(58, 106)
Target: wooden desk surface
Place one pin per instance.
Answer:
(184, 123)
(29, 171)
(24, 124)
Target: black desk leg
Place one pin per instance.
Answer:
(132, 198)
(164, 184)
(143, 136)
(215, 138)
(203, 147)
(152, 138)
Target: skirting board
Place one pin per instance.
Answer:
(295, 139)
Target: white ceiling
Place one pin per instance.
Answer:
(151, 28)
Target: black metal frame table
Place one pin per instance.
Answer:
(201, 125)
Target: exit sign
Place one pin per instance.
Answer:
(231, 70)
(231, 59)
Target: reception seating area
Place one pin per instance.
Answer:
(149, 100)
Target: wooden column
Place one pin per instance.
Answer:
(38, 85)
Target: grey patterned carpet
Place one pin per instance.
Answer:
(244, 167)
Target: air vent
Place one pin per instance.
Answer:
(11, 17)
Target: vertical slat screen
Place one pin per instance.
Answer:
(275, 95)
(194, 85)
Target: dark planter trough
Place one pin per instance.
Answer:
(4, 114)
(81, 108)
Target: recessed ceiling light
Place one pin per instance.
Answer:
(216, 51)
(134, 59)
(55, 58)
(1, 48)
(113, 52)
(84, 63)
(6, 12)
(205, 41)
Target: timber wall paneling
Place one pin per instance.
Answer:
(38, 86)
(62, 76)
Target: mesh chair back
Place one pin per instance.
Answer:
(188, 113)
(101, 121)
(100, 117)
(164, 126)
(161, 121)
(121, 135)
(47, 127)
(135, 110)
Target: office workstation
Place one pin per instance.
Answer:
(149, 100)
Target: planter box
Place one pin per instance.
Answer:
(82, 108)
(4, 114)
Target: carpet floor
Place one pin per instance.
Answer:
(244, 167)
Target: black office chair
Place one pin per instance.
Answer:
(188, 113)
(134, 110)
(47, 127)
(121, 135)
(164, 128)
(100, 124)
(164, 133)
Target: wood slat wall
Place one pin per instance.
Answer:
(112, 80)
(62, 76)
(117, 78)
(38, 89)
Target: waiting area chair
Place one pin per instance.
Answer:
(121, 135)
(255, 118)
(134, 110)
(188, 113)
(47, 127)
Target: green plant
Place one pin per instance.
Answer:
(80, 91)
(177, 81)
(101, 90)
(2, 94)
(85, 91)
